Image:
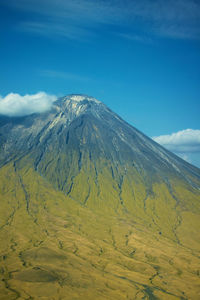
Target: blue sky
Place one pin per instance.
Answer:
(141, 58)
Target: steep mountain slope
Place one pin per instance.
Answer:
(93, 209)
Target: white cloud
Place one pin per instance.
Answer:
(184, 141)
(185, 157)
(17, 105)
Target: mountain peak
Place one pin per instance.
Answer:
(75, 105)
(80, 98)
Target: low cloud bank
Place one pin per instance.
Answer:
(187, 140)
(17, 105)
(184, 143)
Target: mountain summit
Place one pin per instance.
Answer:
(98, 199)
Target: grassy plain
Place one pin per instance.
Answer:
(96, 243)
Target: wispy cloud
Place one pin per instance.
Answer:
(79, 18)
(185, 143)
(17, 105)
(79, 11)
(56, 30)
(63, 75)
(136, 37)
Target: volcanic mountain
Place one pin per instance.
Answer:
(91, 208)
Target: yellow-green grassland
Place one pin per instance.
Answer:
(54, 246)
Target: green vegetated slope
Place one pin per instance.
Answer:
(57, 247)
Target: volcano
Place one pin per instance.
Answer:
(91, 208)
